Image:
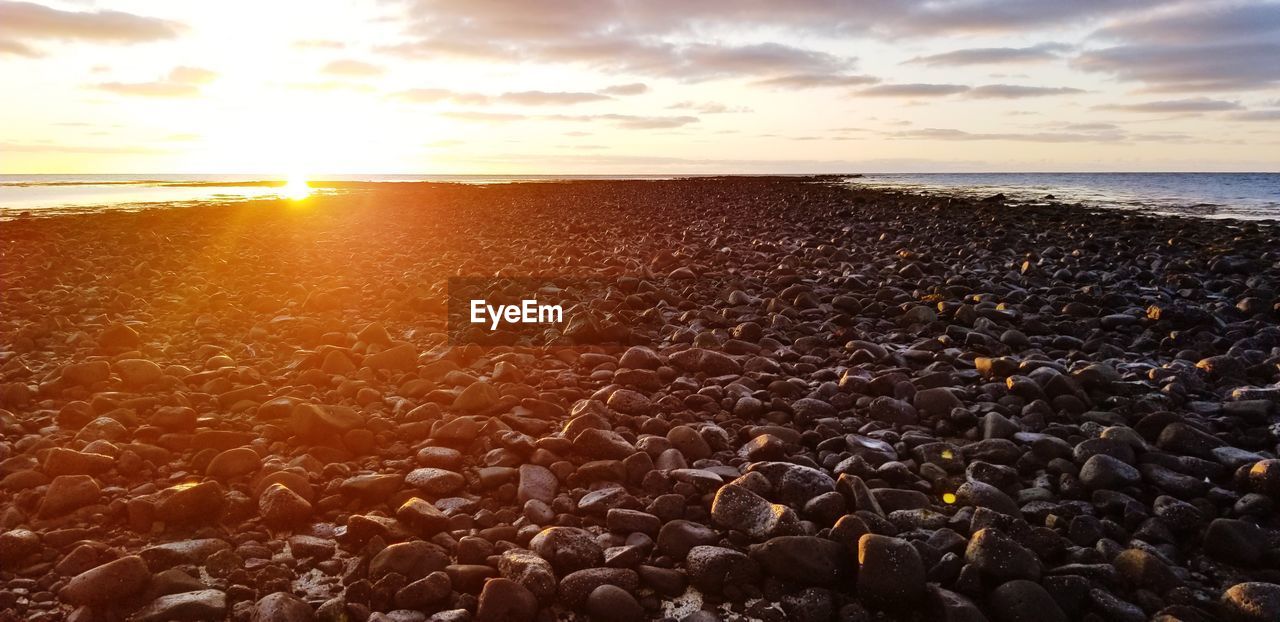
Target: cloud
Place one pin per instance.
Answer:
(913, 90)
(1196, 104)
(1016, 91)
(1256, 115)
(933, 133)
(634, 88)
(993, 56)
(180, 82)
(517, 98)
(332, 86)
(624, 121)
(13, 147)
(21, 22)
(815, 80)
(17, 49)
(550, 98)
(319, 44)
(707, 107)
(1189, 68)
(1200, 21)
(352, 68)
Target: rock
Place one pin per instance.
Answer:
(529, 570)
(982, 495)
(893, 411)
(805, 560)
(891, 574)
(1251, 602)
(1021, 600)
(577, 586)
(567, 548)
(62, 461)
(283, 508)
(87, 373)
(735, 507)
(713, 568)
(422, 517)
(107, 583)
(196, 605)
(424, 592)
(1103, 472)
(630, 402)
(234, 463)
(677, 537)
(414, 560)
(399, 358)
(610, 603)
(435, 482)
(67, 493)
(536, 482)
(639, 357)
(689, 443)
(117, 337)
(1000, 557)
(317, 423)
(193, 503)
(281, 607)
(705, 361)
(602, 445)
(794, 484)
(476, 399)
(504, 600)
(137, 373)
(937, 401)
(1233, 541)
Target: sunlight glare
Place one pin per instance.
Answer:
(296, 188)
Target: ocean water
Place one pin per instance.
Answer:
(1251, 196)
(1209, 195)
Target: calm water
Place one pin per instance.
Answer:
(1210, 195)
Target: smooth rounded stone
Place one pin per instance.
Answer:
(1103, 472)
(809, 409)
(1021, 600)
(424, 592)
(423, 517)
(1233, 541)
(639, 357)
(983, 495)
(1251, 602)
(893, 411)
(996, 425)
(765, 447)
(537, 482)
(712, 568)
(477, 398)
(689, 443)
(577, 585)
(630, 402)
(602, 444)
(623, 520)
(234, 463)
(414, 559)
(610, 603)
(435, 482)
(1116, 448)
(1000, 557)
(1141, 569)
(17, 545)
(281, 607)
(170, 554)
(283, 508)
(311, 547)
(1113, 607)
(678, 536)
(891, 574)
(315, 422)
(196, 605)
(138, 372)
(529, 570)
(62, 461)
(107, 583)
(567, 548)
(403, 357)
(372, 487)
(806, 560)
(947, 606)
(1182, 439)
(937, 401)
(705, 361)
(1264, 478)
(737, 508)
(504, 600)
(793, 484)
(119, 337)
(86, 373)
(439, 458)
(67, 493)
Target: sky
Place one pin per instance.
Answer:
(288, 87)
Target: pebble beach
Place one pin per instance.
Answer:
(790, 399)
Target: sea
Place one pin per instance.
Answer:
(1252, 196)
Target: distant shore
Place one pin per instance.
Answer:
(822, 400)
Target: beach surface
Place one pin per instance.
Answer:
(788, 399)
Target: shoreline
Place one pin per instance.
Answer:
(932, 407)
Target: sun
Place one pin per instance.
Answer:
(296, 188)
